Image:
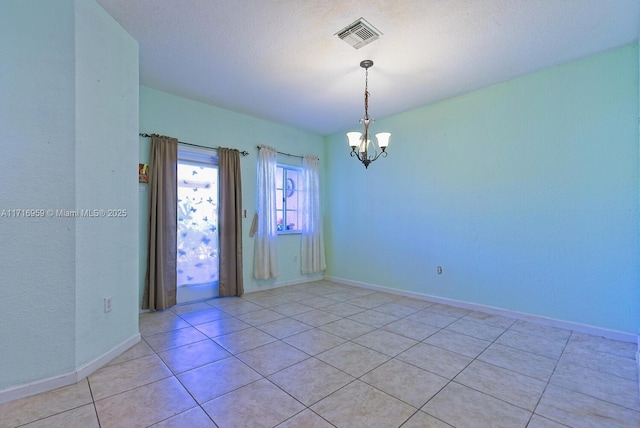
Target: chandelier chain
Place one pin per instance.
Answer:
(366, 93)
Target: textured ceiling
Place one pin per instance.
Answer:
(280, 59)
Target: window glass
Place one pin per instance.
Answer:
(288, 199)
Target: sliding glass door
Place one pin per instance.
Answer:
(198, 251)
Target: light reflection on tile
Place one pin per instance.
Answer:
(218, 378)
(203, 316)
(160, 322)
(389, 361)
(172, 339)
(243, 340)
(217, 328)
(194, 355)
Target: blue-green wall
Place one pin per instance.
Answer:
(37, 328)
(106, 172)
(68, 124)
(197, 123)
(526, 193)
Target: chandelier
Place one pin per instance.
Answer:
(363, 147)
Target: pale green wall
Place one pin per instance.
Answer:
(106, 178)
(37, 163)
(68, 124)
(526, 193)
(206, 125)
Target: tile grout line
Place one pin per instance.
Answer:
(351, 340)
(93, 401)
(548, 382)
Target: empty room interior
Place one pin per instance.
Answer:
(391, 213)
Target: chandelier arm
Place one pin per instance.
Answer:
(357, 154)
(377, 155)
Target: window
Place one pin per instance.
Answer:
(288, 202)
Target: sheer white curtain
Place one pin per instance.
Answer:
(265, 265)
(312, 242)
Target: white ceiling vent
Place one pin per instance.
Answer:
(359, 33)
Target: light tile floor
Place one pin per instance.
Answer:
(323, 354)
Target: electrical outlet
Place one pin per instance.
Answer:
(295, 259)
(107, 304)
(439, 270)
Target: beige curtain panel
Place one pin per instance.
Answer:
(265, 259)
(230, 222)
(160, 281)
(312, 243)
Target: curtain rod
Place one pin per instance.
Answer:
(286, 154)
(243, 153)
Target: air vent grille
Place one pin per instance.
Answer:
(359, 33)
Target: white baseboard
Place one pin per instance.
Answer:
(36, 387)
(638, 363)
(551, 322)
(104, 359)
(66, 379)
